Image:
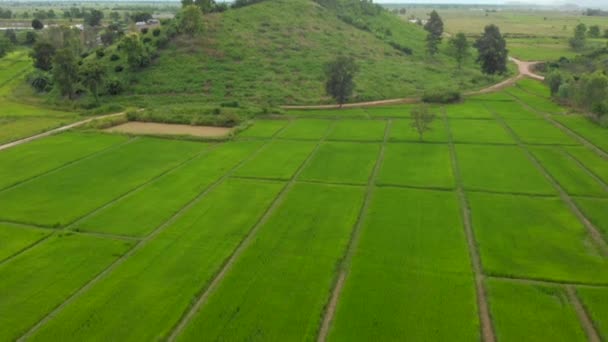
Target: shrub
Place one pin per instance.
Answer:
(100, 53)
(144, 30)
(442, 96)
(119, 68)
(40, 81)
(84, 55)
(114, 87)
(114, 57)
(156, 32)
(406, 50)
(230, 104)
(147, 40)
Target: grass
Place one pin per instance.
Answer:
(279, 286)
(204, 236)
(511, 110)
(538, 103)
(402, 130)
(595, 210)
(58, 199)
(278, 160)
(595, 301)
(308, 129)
(41, 156)
(397, 111)
(535, 87)
(534, 237)
(411, 266)
(358, 130)
(342, 162)
(591, 160)
(500, 168)
(15, 128)
(524, 312)
(574, 179)
(15, 239)
(418, 165)
(173, 191)
(468, 110)
(479, 131)
(539, 132)
(56, 268)
(264, 128)
(585, 128)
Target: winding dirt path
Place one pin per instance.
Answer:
(524, 70)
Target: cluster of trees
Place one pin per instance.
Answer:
(595, 12)
(9, 40)
(5, 13)
(206, 6)
(588, 91)
(581, 32)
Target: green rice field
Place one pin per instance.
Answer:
(330, 225)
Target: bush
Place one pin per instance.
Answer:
(147, 40)
(84, 55)
(119, 68)
(114, 87)
(156, 32)
(114, 57)
(100, 53)
(40, 81)
(442, 96)
(144, 30)
(230, 104)
(406, 50)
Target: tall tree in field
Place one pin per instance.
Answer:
(493, 52)
(93, 74)
(42, 54)
(422, 119)
(434, 27)
(579, 40)
(459, 46)
(134, 48)
(340, 75)
(37, 24)
(191, 21)
(65, 71)
(594, 31)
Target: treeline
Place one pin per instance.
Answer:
(595, 12)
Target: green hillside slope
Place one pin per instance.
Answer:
(274, 52)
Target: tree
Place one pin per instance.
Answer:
(134, 48)
(186, 3)
(93, 18)
(554, 80)
(422, 119)
(93, 74)
(65, 71)
(191, 21)
(459, 46)
(578, 41)
(11, 36)
(30, 37)
(42, 54)
(594, 31)
(434, 27)
(37, 24)
(493, 52)
(605, 33)
(340, 75)
(206, 6)
(5, 46)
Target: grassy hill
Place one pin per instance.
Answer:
(274, 52)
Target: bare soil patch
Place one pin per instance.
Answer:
(170, 129)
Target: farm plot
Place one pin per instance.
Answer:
(534, 237)
(279, 160)
(15, 239)
(479, 131)
(59, 198)
(539, 132)
(524, 312)
(22, 162)
(585, 128)
(469, 110)
(342, 162)
(512, 110)
(331, 113)
(306, 129)
(534, 87)
(411, 266)
(417, 165)
(501, 169)
(41, 278)
(402, 130)
(140, 213)
(264, 128)
(591, 161)
(596, 210)
(167, 273)
(15, 128)
(358, 130)
(595, 301)
(538, 103)
(277, 289)
(391, 111)
(566, 171)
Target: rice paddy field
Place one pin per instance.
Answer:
(334, 225)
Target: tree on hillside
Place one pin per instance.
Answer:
(340, 75)
(206, 6)
(493, 52)
(459, 46)
(65, 71)
(186, 3)
(594, 31)
(37, 24)
(422, 119)
(133, 47)
(579, 40)
(191, 21)
(42, 54)
(434, 27)
(93, 74)
(93, 18)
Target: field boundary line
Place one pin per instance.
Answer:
(583, 316)
(593, 232)
(344, 264)
(72, 162)
(580, 138)
(483, 307)
(56, 130)
(589, 172)
(545, 282)
(19, 225)
(136, 247)
(208, 289)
